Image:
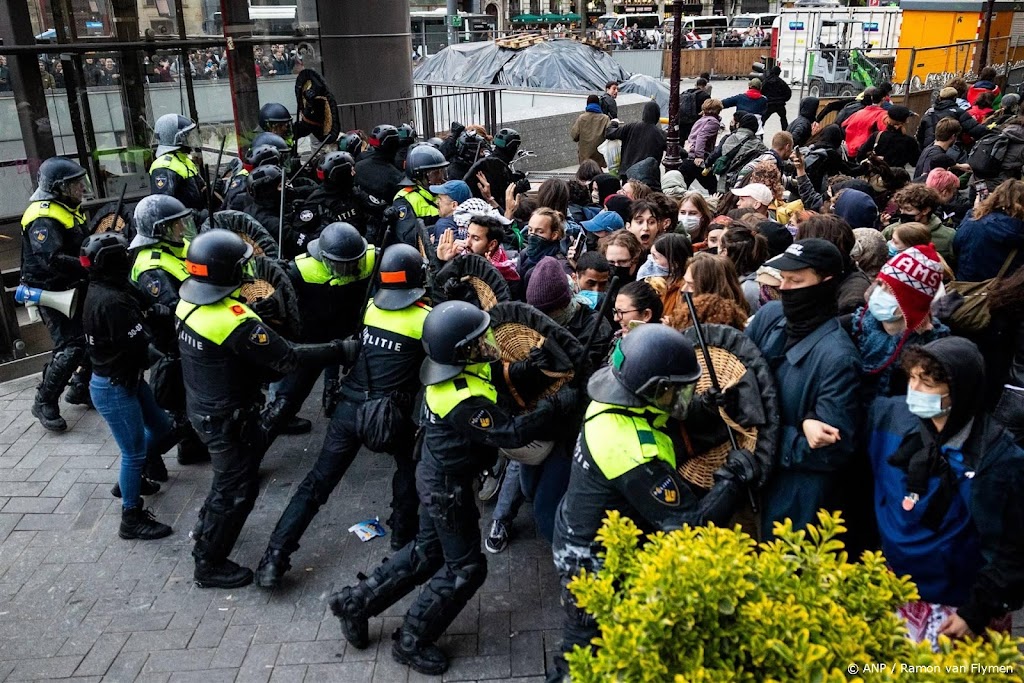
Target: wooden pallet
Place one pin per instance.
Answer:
(520, 42)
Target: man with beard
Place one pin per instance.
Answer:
(817, 370)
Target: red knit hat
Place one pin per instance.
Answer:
(914, 276)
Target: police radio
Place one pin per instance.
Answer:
(66, 302)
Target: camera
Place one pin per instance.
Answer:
(522, 186)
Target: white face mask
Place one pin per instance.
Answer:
(689, 223)
(883, 306)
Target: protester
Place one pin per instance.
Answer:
(993, 237)
(640, 140)
(588, 132)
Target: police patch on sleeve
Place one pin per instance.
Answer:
(482, 420)
(153, 287)
(259, 336)
(667, 492)
(161, 182)
(401, 213)
(40, 233)
(305, 215)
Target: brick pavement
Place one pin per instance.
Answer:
(77, 602)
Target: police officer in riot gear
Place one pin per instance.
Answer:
(463, 426)
(275, 118)
(174, 172)
(448, 146)
(161, 223)
(237, 197)
(626, 458)
(375, 169)
(53, 229)
(383, 381)
(339, 200)
(265, 186)
(353, 144)
(227, 352)
(495, 167)
(470, 148)
(331, 281)
(407, 137)
(424, 167)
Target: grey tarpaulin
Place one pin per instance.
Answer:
(554, 65)
(639, 84)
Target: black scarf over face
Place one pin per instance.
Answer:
(807, 308)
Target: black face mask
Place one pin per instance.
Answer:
(712, 250)
(537, 247)
(807, 308)
(908, 218)
(624, 275)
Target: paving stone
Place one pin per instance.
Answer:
(167, 639)
(526, 651)
(296, 631)
(258, 664)
(207, 676)
(50, 667)
(102, 654)
(348, 672)
(475, 668)
(179, 660)
(288, 674)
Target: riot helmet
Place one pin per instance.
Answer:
(62, 180)
(507, 143)
(421, 161)
(340, 247)
(105, 256)
(403, 276)
(337, 171)
(162, 218)
(351, 143)
(265, 182)
(271, 139)
(455, 334)
(275, 118)
(406, 135)
(654, 365)
(215, 262)
(384, 138)
(174, 132)
(471, 147)
(435, 143)
(264, 155)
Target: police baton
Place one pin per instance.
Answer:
(216, 173)
(117, 210)
(712, 375)
(331, 137)
(373, 275)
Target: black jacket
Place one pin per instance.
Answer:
(897, 149)
(609, 106)
(800, 127)
(377, 175)
(49, 254)
(640, 140)
(950, 109)
(776, 90)
(117, 341)
(932, 157)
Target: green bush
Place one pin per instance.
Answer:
(709, 604)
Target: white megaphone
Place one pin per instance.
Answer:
(66, 302)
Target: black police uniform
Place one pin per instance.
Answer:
(386, 370)
(462, 429)
(177, 175)
(227, 353)
(377, 175)
(52, 236)
(362, 211)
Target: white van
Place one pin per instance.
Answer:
(705, 27)
(613, 27)
(742, 22)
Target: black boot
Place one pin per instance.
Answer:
(149, 487)
(425, 658)
(154, 468)
(48, 415)
(297, 425)
(355, 625)
(223, 574)
(78, 395)
(272, 567)
(140, 524)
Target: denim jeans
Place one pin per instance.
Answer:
(136, 421)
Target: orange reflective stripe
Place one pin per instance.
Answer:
(196, 269)
(394, 278)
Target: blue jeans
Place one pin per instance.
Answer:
(136, 421)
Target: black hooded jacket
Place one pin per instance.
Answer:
(800, 128)
(947, 109)
(640, 140)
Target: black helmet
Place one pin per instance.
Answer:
(654, 365)
(403, 275)
(56, 176)
(173, 132)
(406, 135)
(215, 262)
(455, 334)
(471, 146)
(275, 113)
(336, 170)
(435, 142)
(264, 155)
(384, 138)
(456, 129)
(162, 218)
(264, 182)
(421, 160)
(340, 247)
(508, 139)
(351, 143)
(105, 255)
(276, 141)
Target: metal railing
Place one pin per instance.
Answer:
(430, 110)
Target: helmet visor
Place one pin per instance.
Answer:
(191, 139)
(76, 189)
(175, 229)
(671, 394)
(343, 268)
(483, 349)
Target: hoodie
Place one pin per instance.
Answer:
(980, 87)
(801, 126)
(751, 102)
(856, 208)
(642, 139)
(941, 110)
(647, 171)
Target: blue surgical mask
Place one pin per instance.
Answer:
(590, 297)
(883, 306)
(892, 250)
(925, 406)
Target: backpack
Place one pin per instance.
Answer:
(688, 109)
(986, 159)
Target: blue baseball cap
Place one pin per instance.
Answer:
(606, 221)
(458, 190)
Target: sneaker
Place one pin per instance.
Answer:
(140, 524)
(49, 416)
(491, 483)
(149, 487)
(497, 539)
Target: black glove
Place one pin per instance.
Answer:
(348, 349)
(727, 399)
(267, 308)
(159, 311)
(565, 400)
(392, 215)
(542, 360)
(742, 467)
